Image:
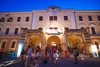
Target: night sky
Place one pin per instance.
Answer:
(29, 5)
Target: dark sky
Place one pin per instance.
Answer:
(29, 5)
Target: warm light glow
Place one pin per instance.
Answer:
(94, 50)
(63, 29)
(99, 46)
(19, 50)
(39, 44)
(43, 29)
(57, 31)
(53, 43)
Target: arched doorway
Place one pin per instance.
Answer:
(34, 41)
(74, 41)
(53, 41)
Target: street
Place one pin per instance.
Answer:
(61, 62)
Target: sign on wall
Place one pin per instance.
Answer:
(53, 31)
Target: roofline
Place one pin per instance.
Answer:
(15, 12)
(87, 11)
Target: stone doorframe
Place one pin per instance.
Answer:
(77, 33)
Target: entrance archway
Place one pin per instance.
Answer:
(34, 41)
(53, 40)
(74, 41)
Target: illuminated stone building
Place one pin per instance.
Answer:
(66, 28)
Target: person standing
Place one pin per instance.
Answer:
(1, 53)
(55, 57)
(75, 55)
(50, 53)
(22, 54)
(37, 58)
(29, 57)
(46, 52)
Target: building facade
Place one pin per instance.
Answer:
(66, 28)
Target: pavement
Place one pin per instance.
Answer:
(83, 61)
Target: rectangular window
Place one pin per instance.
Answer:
(10, 19)
(16, 31)
(65, 17)
(98, 18)
(80, 18)
(18, 19)
(51, 18)
(40, 18)
(2, 20)
(3, 44)
(27, 19)
(0, 29)
(13, 44)
(90, 18)
(7, 31)
(55, 17)
(93, 30)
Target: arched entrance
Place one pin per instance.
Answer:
(34, 41)
(53, 40)
(74, 41)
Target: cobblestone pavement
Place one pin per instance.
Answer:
(61, 62)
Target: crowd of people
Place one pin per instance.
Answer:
(51, 53)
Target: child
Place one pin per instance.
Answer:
(36, 62)
(55, 56)
(37, 58)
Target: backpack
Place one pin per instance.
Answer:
(77, 54)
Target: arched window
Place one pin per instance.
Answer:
(7, 31)
(97, 45)
(93, 30)
(40, 28)
(3, 44)
(13, 44)
(66, 28)
(82, 27)
(16, 31)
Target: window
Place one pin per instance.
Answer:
(53, 18)
(98, 18)
(82, 27)
(65, 17)
(80, 18)
(2, 20)
(10, 19)
(40, 28)
(90, 18)
(13, 44)
(7, 31)
(93, 30)
(27, 19)
(40, 18)
(16, 31)
(18, 19)
(0, 29)
(3, 44)
(66, 28)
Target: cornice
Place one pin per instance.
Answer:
(10, 13)
(9, 36)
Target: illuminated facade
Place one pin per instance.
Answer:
(67, 28)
